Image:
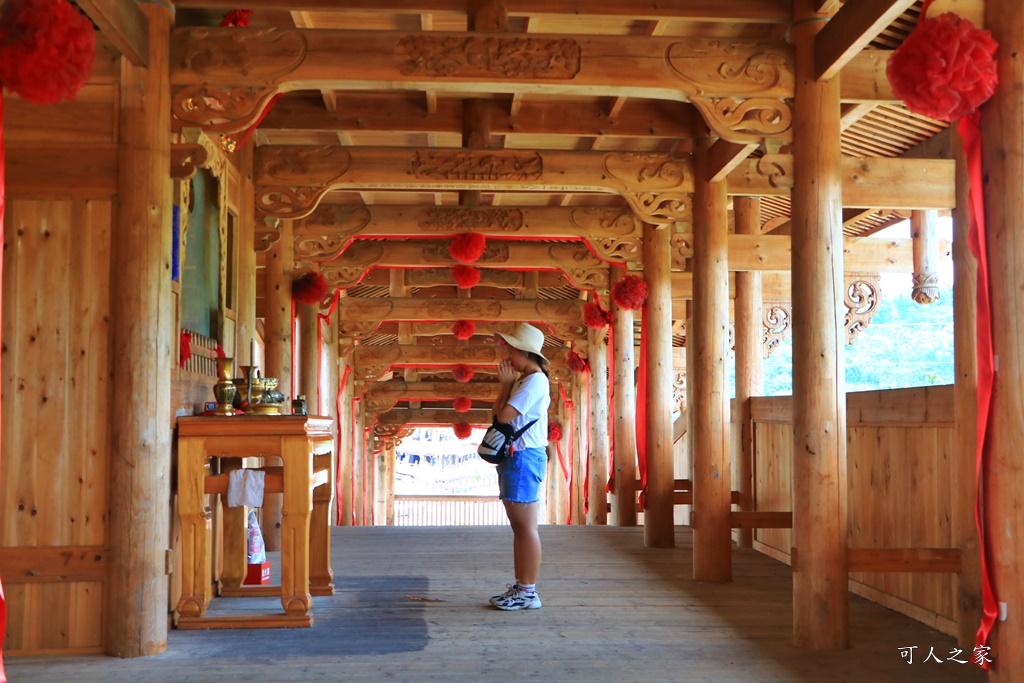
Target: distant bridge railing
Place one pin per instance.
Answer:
(449, 511)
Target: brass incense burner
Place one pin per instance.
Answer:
(258, 395)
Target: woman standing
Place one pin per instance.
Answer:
(520, 401)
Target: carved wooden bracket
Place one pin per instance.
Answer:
(186, 158)
(651, 185)
(863, 297)
(777, 322)
(746, 121)
(298, 177)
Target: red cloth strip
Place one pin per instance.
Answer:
(969, 128)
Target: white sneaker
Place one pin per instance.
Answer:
(519, 600)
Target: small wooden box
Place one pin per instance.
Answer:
(257, 574)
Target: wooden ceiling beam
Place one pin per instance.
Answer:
(401, 113)
(124, 25)
(735, 11)
(850, 30)
(291, 180)
(725, 156)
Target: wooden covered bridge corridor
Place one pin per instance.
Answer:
(411, 606)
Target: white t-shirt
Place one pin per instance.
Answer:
(531, 396)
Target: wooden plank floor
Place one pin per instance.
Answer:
(412, 606)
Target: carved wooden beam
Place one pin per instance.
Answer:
(883, 182)
(613, 233)
(433, 416)
(442, 331)
(398, 113)
(373, 362)
(124, 25)
(291, 180)
(737, 11)
(850, 30)
(359, 317)
(381, 396)
(773, 252)
(223, 77)
(577, 263)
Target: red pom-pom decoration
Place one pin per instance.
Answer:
(466, 276)
(236, 17)
(578, 363)
(463, 329)
(463, 373)
(945, 68)
(462, 404)
(467, 247)
(630, 292)
(554, 431)
(596, 317)
(184, 348)
(311, 288)
(462, 430)
(47, 48)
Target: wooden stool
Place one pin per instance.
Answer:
(305, 445)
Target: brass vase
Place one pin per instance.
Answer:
(224, 390)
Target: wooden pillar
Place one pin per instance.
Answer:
(926, 255)
(556, 482)
(141, 332)
(820, 576)
(1003, 160)
(624, 493)
(749, 356)
(712, 483)
(659, 525)
(597, 479)
(358, 465)
(278, 351)
(965, 407)
(346, 446)
(309, 355)
(579, 449)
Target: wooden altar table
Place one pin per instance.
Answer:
(306, 447)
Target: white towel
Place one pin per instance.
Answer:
(245, 487)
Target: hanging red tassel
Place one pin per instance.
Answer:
(463, 329)
(462, 404)
(47, 49)
(219, 350)
(462, 430)
(554, 432)
(311, 288)
(578, 363)
(945, 68)
(184, 348)
(467, 247)
(463, 373)
(596, 317)
(466, 277)
(630, 292)
(237, 17)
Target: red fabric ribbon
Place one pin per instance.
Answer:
(969, 128)
(641, 410)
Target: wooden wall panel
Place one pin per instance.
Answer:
(901, 478)
(56, 396)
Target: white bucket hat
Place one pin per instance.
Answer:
(526, 337)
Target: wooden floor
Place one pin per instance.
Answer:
(412, 606)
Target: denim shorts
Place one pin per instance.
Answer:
(519, 477)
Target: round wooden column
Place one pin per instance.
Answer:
(624, 493)
(965, 407)
(659, 525)
(712, 483)
(580, 444)
(1003, 152)
(309, 355)
(926, 255)
(820, 576)
(359, 456)
(749, 357)
(143, 343)
(277, 331)
(597, 474)
(346, 444)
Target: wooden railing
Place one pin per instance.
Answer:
(449, 511)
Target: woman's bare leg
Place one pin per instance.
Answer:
(526, 548)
